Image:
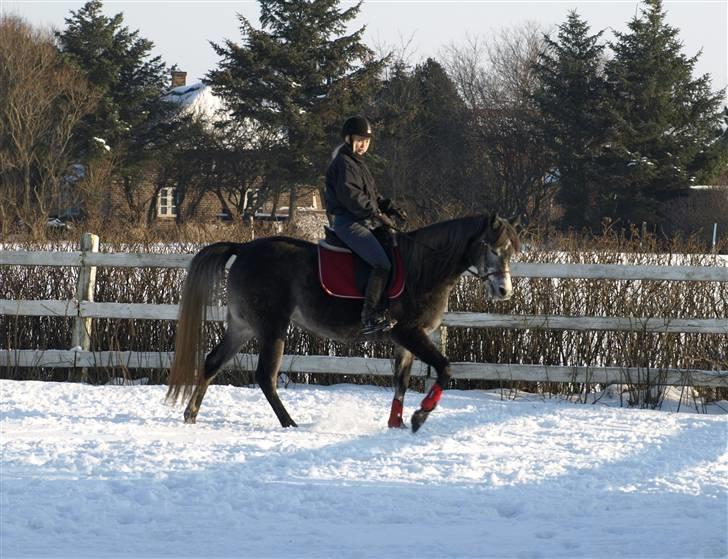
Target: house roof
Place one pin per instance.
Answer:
(196, 99)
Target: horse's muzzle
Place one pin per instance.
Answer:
(499, 286)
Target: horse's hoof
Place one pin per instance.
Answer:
(397, 424)
(190, 420)
(289, 423)
(418, 418)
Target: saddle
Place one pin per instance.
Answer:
(345, 274)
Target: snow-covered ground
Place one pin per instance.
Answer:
(112, 472)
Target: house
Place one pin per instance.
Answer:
(162, 204)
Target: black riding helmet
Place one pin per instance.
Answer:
(357, 126)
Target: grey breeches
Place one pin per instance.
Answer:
(362, 241)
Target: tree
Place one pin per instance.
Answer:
(668, 121)
(133, 124)
(497, 80)
(294, 80)
(42, 99)
(575, 120)
(118, 63)
(423, 149)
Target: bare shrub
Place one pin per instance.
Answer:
(650, 352)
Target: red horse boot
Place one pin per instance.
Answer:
(428, 404)
(395, 415)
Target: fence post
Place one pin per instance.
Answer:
(85, 287)
(715, 236)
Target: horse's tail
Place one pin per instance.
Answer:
(204, 279)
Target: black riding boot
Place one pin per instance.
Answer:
(373, 317)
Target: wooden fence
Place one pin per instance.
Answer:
(83, 310)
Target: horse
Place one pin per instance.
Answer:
(274, 282)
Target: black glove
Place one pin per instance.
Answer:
(388, 207)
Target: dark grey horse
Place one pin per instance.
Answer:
(274, 282)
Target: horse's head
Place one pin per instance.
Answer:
(490, 256)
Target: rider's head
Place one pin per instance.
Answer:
(357, 132)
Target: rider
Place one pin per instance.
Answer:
(358, 209)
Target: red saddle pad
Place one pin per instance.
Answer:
(337, 273)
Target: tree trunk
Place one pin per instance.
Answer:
(293, 205)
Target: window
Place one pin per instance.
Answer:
(225, 215)
(167, 202)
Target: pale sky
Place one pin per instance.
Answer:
(181, 29)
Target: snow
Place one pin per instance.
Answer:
(110, 471)
(102, 143)
(197, 100)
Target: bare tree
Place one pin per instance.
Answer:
(41, 100)
(496, 80)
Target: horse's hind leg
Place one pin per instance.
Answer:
(402, 368)
(266, 375)
(231, 342)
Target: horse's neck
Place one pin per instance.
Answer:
(441, 255)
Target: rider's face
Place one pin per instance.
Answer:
(359, 144)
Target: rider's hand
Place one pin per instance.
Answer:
(384, 219)
(389, 208)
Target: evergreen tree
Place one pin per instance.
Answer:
(424, 142)
(119, 65)
(295, 80)
(575, 121)
(668, 121)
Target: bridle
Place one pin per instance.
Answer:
(486, 275)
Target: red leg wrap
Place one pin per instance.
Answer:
(432, 398)
(395, 416)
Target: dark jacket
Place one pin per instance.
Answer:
(350, 187)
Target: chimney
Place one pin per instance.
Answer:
(179, 78)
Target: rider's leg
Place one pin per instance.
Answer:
(373, 317)
(363, 242)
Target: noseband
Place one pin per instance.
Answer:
(487, 275)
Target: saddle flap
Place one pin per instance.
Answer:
(344, 274)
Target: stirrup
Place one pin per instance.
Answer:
(381, 323)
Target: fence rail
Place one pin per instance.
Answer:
(83, 310)
(518, 269)
(144, 311)
(376, 367)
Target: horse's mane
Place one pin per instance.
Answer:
(436, 252)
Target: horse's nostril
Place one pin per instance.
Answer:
(503, 291)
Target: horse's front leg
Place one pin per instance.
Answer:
(416, 341)
(403, 359)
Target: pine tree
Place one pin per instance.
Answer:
(572, 98)
(668, 120)
(119, 65)
(295, 80)
(424, 141)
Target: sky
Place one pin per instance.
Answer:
(182, 29)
